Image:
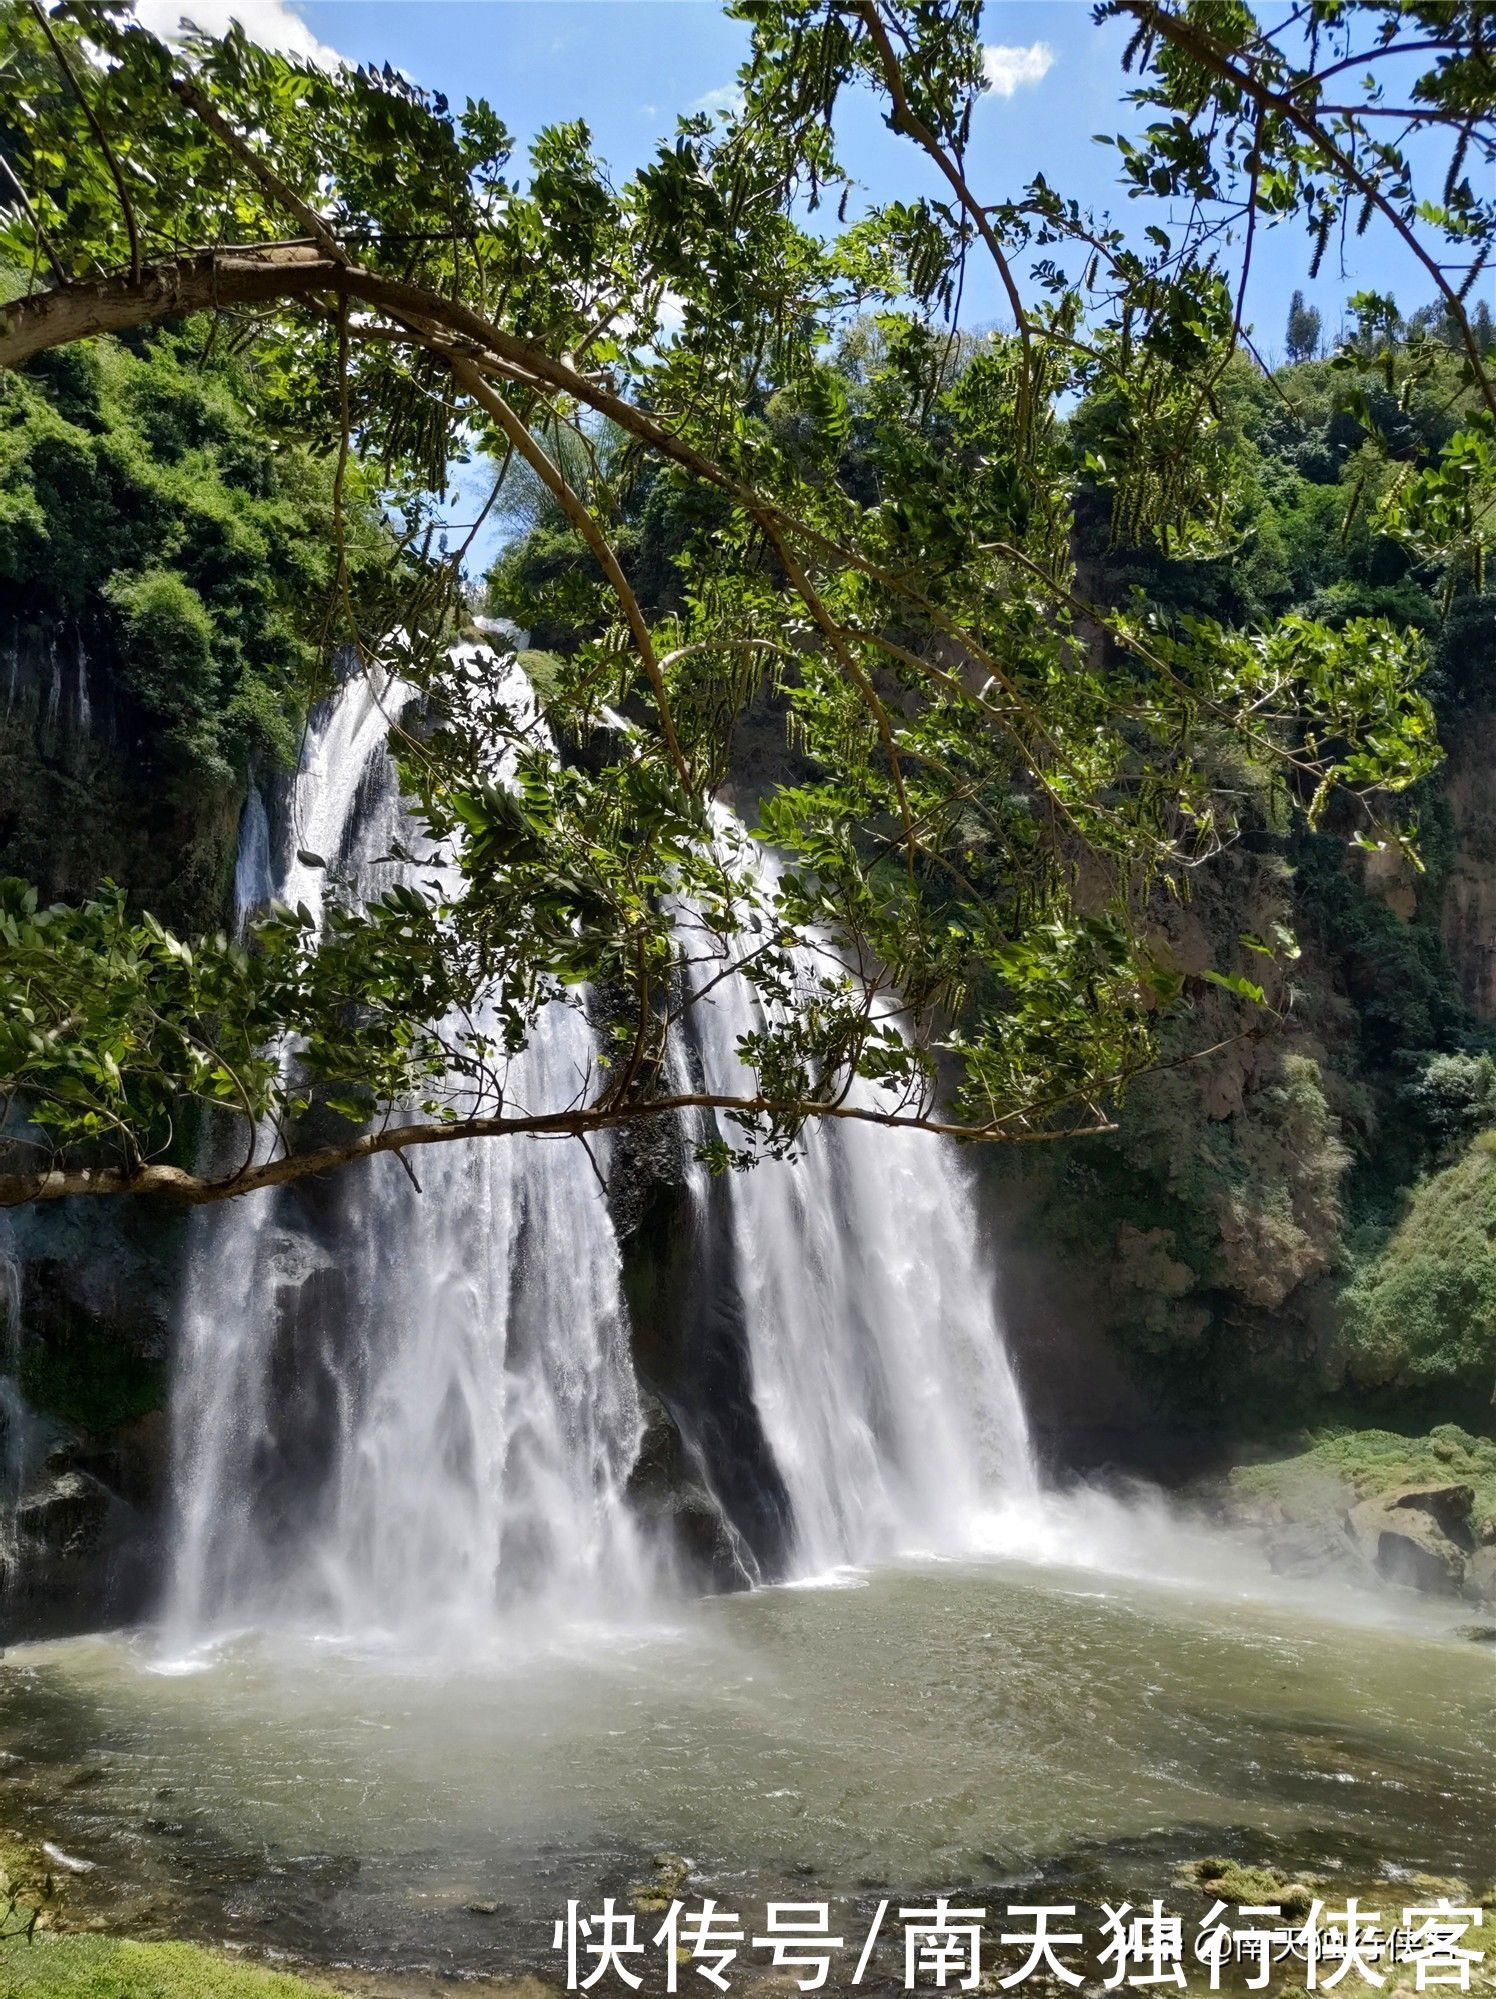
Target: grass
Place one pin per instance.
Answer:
(77, 1966)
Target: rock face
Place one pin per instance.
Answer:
(83, 1443)
(1468, 917)
(82, 804)
(705, 1469)
(670, 1494)
(79, 1555)
(1418, 1536)
(1480, 1575)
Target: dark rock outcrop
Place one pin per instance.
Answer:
(670, 1494)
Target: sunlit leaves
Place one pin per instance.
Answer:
(826, 536)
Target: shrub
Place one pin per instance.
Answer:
(1421, 1311)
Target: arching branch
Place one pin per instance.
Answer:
(198, 1190)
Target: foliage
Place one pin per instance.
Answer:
(1229, 1223)
(1394, 972)
(28, 1893)
(1450, 1098)
(1422, 1309)
(997, 781)
(1304, 325)
(146, 507)
(109, 1024)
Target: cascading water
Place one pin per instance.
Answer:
(254, 883)
(397, 1411)
(878, 1367)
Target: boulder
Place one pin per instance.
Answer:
(1311, 1548)
(1480, 1575)
(1449, 1504)
(66, 1518)
(1405, 1537)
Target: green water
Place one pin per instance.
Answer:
(931, 1727)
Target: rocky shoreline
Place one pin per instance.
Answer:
(1414, 1512)
(76, 1950)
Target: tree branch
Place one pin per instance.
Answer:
(907, 121)
(1203, 49)
(195, 1190)
(545, 469)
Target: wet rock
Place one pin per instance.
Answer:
(1480, 1575)
(668, 1492)
(671, 1873)
(79, 1555)
(1405, 1538)
(142, 1450)
(1307, 1548)
(66, 1518)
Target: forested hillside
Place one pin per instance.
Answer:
(747, 996)
(1301, 1223)
(166, 555)
(1293, 1228)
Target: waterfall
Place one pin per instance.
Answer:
(85, 696)
(878, 1366)
(404, 1413)
(400, 1412)
(254, 880)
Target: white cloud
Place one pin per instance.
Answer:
(1008, 68)
(272, 23)
(726, 97)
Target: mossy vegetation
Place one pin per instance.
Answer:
(149, 506)
(167, 558)
(76, 1966)
(1242, 1886)
(1366, 1463)
(1421, 1310)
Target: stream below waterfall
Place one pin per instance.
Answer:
(924, 1727)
